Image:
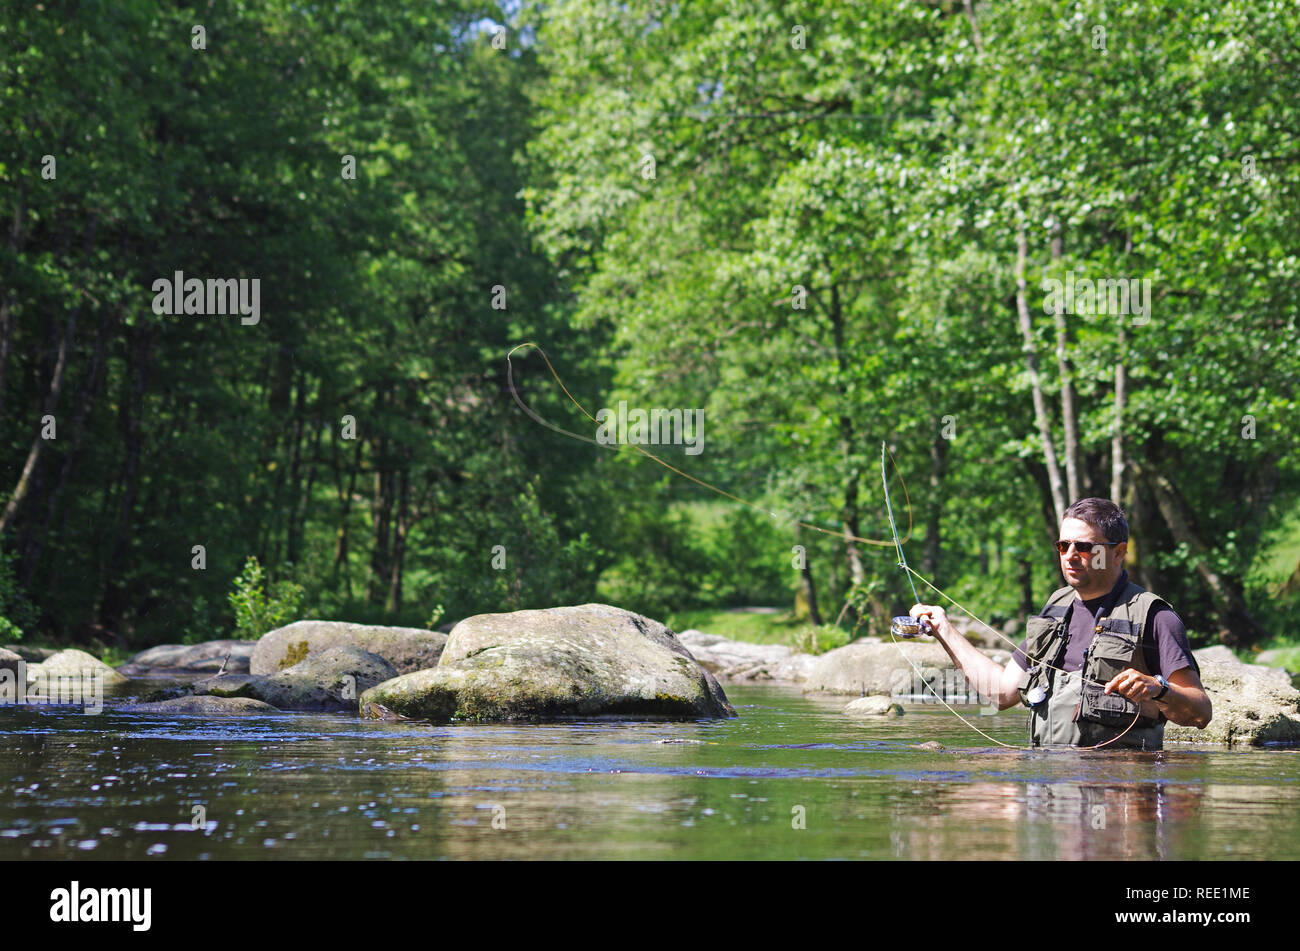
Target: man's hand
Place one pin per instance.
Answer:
(1186, 702)
(1134, 685)
(936, 615)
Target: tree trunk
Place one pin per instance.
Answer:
(1031, 360)
(1027, 605)
(401, 528)
(16, 241)
(48, 405)
(346, 495)
(1238, 628)
(1069, 412)
(852, 556)
(938, 464)
(1117, 434)
(806, 585)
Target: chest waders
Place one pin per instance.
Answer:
(1070, 709)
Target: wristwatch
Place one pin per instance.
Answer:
(1164, 687)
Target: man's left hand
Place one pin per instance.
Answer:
(1134, 685)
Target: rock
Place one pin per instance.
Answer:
(32, 655)
(930, 746)
(209, 706)
(193, 658)
(873, 707)
(74, 663)
(377, 711)
(585, 660)
(1218, 654)
(330, 680)
(1253, 704)
(406, 648)
(1285, 657)
(9, 660)
(226, 685)
(740, 660)
(881, 669)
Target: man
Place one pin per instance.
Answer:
(1104, 660)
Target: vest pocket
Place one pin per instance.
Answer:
(1043, 637)
(1110, 653)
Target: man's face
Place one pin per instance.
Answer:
(1085, 570)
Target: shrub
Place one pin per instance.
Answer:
(255, 611)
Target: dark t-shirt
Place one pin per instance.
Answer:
(1165, 652)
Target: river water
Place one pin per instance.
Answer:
(790, 778)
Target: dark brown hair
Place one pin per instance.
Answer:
(1102, 514)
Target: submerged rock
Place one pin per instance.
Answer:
(377, 711)
(1253, 704)
(209, 706)
(193, 658)
(873, 707)
(406, 648)
(586, 660)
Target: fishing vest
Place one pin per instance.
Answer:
(1070, 709)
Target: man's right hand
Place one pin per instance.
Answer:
(937, 617)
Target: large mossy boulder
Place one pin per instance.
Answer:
(406, 648)
(586, 660)
(1253, 704)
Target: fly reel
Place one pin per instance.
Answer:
(906, 627)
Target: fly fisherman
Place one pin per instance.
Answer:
(1104, 661)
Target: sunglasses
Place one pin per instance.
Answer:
(1083, 548)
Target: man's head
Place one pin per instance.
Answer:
(1100, 532)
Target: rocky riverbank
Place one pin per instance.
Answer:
(582, 661)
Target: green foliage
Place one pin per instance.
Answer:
(256, 611)
(16, 612)
(820, 639)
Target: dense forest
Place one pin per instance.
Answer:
(825, 225)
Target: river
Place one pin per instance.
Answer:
(790, 778)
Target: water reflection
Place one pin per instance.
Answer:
(791, 778)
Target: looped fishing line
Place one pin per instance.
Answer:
(896, 542)
(846, 535)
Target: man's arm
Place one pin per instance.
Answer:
(1186, 702)
(992, 681)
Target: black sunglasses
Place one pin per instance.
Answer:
(1064, 547)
